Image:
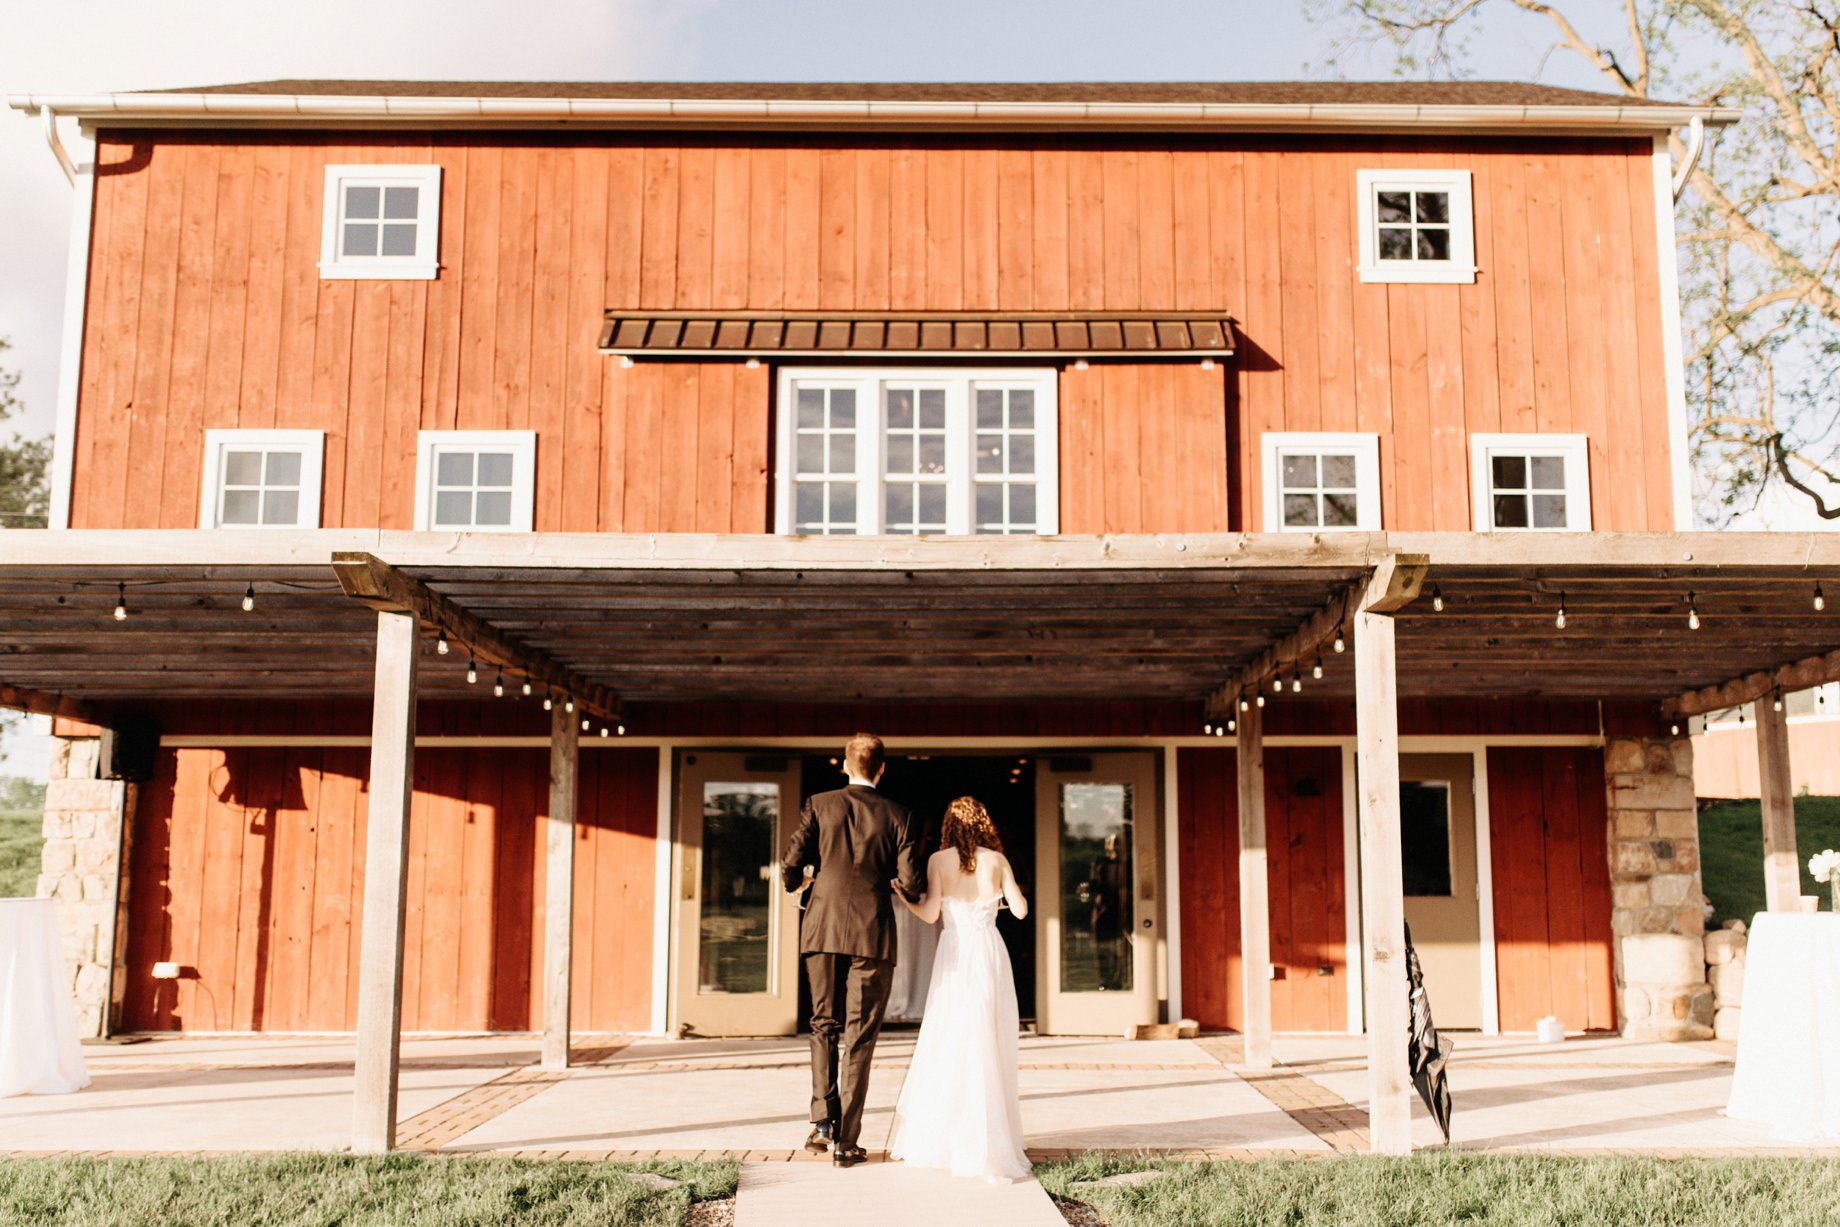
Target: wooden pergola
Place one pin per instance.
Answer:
(1692, 622)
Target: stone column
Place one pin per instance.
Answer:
(1656, 915)
(87, 830)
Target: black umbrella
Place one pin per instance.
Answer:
(1426, 1051)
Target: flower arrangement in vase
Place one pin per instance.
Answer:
(1824, 866)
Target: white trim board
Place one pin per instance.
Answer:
(1485, 896)
(1673, 363)
(1172, 886)
(663, 853)
(1351, 894)
(76, 315)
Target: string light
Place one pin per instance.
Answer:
(440, 641)
(1242, 703)
(1232, 725)
(1296, 680)
(1692, 613)
(1207, 728)
(549, 701)
(1277, 682)
(498, 684)
(1820, 602)
(620, 729)
(1559, 618)
(1776, 702)
(1260, 700)
(1341, 645)
(586, 724)
(472, 672)
(1437, 598)
(249, 598)
(1674, 730)
(568, 702)
(121, 602)
(1316, 670)
(1740, 717)
(603, 730)
(527, 683)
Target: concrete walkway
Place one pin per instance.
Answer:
(885, 1194)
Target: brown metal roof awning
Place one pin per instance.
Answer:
(917, 334)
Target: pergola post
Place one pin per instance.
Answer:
(1389, 1090)
(1782, 874)
(559, 891)
(1254, 892)
(386, 866)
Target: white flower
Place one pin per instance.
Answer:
(1824, 866)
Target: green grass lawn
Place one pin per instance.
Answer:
(396, 1191)
(21, 841)
(1357, 1191)
(1731, 853)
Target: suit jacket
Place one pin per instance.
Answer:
(857, 840)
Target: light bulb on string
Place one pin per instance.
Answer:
(586, 724)
(440, 641)
(1260, 700)
(1559, 618)
(1242, 703)
(1674, 730)
(1820, 602)
(549, 701)
(1692, 613)
(1316, 670)
(568, 702)
(603, 730)
(1277, 683)
(1341, 644)
(498, 684)
(1207, 728)
(1232, 725)
(1296, 681)
(249, 598)
(620, 729)
(1776, 700)
(1437, 599)
(121, 602)
(472, 672)
(527, 683)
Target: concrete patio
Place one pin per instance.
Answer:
(747, 1098)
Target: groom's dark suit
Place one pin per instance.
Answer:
(857, 841)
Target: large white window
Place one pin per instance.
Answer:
(916, 451)
(483, 480)
(261, 478)
(381, 222)
(1321, 482)
(1416, 225)
(1530, 482)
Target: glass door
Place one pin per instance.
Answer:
(1096, 853)
(1437, 843)
(736, 930)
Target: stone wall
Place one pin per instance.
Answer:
(1725, 955)
(1657, 914)
(85, 848)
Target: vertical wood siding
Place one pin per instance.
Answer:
(1548, 849)
(248, 871)
(1303, 827)
(206, 310)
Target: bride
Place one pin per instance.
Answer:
(959, 1109)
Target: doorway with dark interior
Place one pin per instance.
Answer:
(926, 784)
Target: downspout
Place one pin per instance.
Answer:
(57, 147)
(82, 177)
(1696, 144)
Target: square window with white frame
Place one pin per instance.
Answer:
(381, 222)
(261, 479)
(1416, 226)
(1321, 482)
(475, 480)
(916, 451)
(1531, 482)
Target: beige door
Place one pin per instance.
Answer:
(1437, 819)
(1096, 863)
(736, 930)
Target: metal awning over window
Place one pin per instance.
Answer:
(917, 334)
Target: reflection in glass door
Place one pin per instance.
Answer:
(736, 930)
(1096, 834)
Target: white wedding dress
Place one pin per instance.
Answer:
(959, 1108)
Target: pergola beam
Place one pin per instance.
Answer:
(45, 703)
(1800, 675)
(374, 582)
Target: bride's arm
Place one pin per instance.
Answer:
(1018, 906)
(928, 907)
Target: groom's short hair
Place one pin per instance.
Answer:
(863, 755)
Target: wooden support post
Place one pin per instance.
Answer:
(1254, 892)
(386, 871)
(559, 892)
(1782, 871)
(1389, 1086)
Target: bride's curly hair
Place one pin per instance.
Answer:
(968, 827)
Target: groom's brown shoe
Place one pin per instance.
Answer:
(848, 1156)
(820, 1139)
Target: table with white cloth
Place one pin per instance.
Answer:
(1788, 1071)
(39, 1052)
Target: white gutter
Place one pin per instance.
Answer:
(323, 109)
(1696, 144)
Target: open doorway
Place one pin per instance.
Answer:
(1005, 783)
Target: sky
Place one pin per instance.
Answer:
(73, 46)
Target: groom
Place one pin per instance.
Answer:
(849, 845)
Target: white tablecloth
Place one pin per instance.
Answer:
(1788, 1072)
(39, 1054)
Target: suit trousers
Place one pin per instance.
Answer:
(848, 995)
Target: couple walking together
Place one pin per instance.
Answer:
(859, 851)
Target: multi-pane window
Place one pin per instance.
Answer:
(1416, 225)
(925, 451)
(381, 221)
(261, 479)
(1318, 481)
(1006, 470)
(824, 460)
(1531, 482)
(475, 480)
